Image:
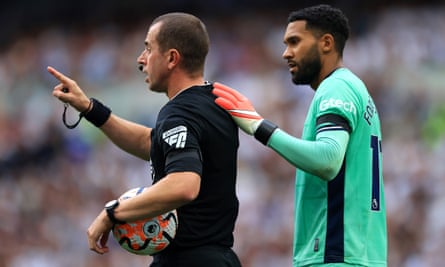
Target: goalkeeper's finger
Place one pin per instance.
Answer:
(235, 111)
(229, 90)
(224, 103)
(226, 95)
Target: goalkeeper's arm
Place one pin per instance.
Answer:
(322, 157)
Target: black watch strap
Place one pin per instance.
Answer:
(109, 208)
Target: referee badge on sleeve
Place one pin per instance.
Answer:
(176, 136)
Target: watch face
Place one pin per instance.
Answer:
(111, 204)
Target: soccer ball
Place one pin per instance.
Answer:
(147, 236)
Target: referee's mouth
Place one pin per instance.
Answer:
(141, 69)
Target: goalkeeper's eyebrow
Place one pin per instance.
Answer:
(291, 40)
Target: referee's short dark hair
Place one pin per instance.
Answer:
(188, 35)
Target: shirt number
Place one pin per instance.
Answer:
(376, 147)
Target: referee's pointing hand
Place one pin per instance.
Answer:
(68, 91)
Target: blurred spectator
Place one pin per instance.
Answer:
(53, 180)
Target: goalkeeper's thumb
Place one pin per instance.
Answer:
(243, 112)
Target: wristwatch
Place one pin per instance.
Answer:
(109, 208)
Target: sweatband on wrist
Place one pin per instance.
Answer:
(98, 114)
(264, 131)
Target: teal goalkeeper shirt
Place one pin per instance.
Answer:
(342, 220)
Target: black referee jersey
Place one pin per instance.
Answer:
(193, 134)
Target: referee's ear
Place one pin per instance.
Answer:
(173, 58)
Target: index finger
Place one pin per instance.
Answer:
(58, 75)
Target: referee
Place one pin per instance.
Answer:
(340, 215)
(193, 149)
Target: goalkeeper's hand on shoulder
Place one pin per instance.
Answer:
(243, 112)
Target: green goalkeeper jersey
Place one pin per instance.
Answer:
(343, 220)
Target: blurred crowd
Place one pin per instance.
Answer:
(54, 181)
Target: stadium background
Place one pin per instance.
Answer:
(54, 181)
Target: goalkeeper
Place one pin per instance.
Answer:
(339, 199)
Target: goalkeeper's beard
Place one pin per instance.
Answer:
(309, 67)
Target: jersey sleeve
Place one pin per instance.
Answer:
(180, 147)
(335, 96)
(332, 117)
(322, 157)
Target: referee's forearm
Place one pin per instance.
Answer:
(131, 137)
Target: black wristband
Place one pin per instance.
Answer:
(98, 114)
(264, 131)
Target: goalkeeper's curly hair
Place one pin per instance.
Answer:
(324, 19)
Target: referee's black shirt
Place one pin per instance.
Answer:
(193, 134)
